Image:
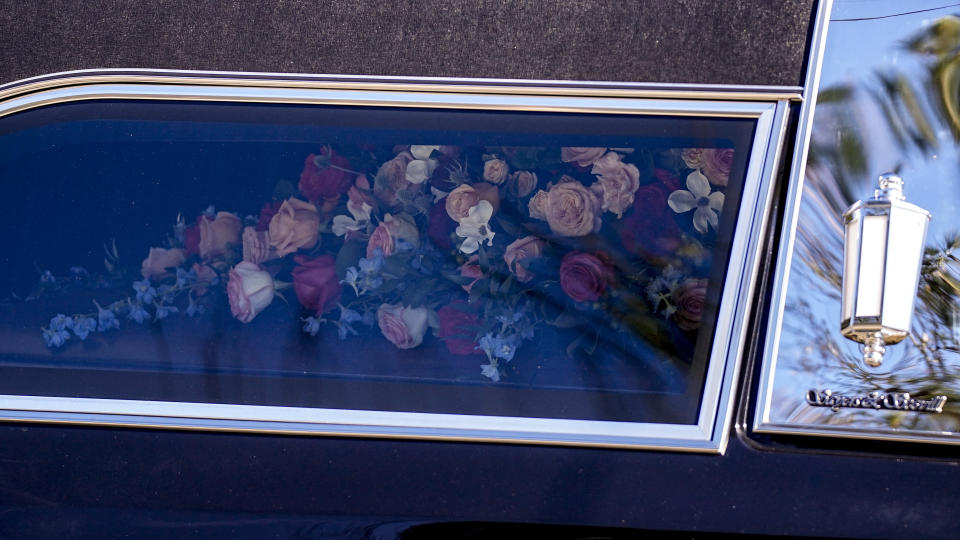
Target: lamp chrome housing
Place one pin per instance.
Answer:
(882, 253)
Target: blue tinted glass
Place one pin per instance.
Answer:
(502, 263)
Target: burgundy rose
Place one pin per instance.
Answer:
(191, 238)
(266, 214)
(315, 282)
(471, 269)
(650, 230)
(584, 277)
(322, 179)
(458, 328)
(440, 226)
(689, 298)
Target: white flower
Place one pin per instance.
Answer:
(342, 224)
(708, 205)
(490, 371)
(421, 167)
(474, 228)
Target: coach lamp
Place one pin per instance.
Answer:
(882, 253)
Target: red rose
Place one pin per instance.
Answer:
(191, 237)
(650, 230)
(324, 181)
(689, 298)
(457, 328)
(315, 282)
(584, 277)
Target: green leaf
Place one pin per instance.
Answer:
(349, 255)
(283, 190)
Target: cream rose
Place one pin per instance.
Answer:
(692, 157)
(250, 290)
(464, 197)
(538, 205)
(295, 226)
(618, 183)
(391, 178)
(572, 210)
(495, 171)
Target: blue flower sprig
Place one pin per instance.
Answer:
(147, 298)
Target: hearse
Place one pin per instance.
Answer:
(479, 270)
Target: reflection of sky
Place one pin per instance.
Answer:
(864, 38)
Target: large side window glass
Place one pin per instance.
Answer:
(486, 272)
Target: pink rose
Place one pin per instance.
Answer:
(689, 298)
(391, 178)
(465, 196)
(495, 171)
(692, 157)
(159, 260)
(528, 247)
(522, 183)
(716, 165)
(458, 328)
(402, 326)
(391, 229)
(538, 205)
(572, 210)
(618, 183)
(321, 179)
(650, 230)
(218, 233)
(257, 247)
(583, 156)
(296, 225)
(315, 282)
(584, 277)
(250, 291)
(471, 269)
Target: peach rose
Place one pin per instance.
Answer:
(159, 260)
(464, 197)
(522, 183)
(618, 183)
(495, 171)
(528, 247)
(250, 290)
(582, 155)
(538, 205)
(391, 229)
(716, 165)
(256, 246)
(218, 233)
(403, 326)
(692, 157)
(296, 225)
(572, 210)
(206, 276)
(391, 178)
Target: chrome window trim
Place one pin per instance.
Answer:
(710, 434)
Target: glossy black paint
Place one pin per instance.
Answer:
(72, 475)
